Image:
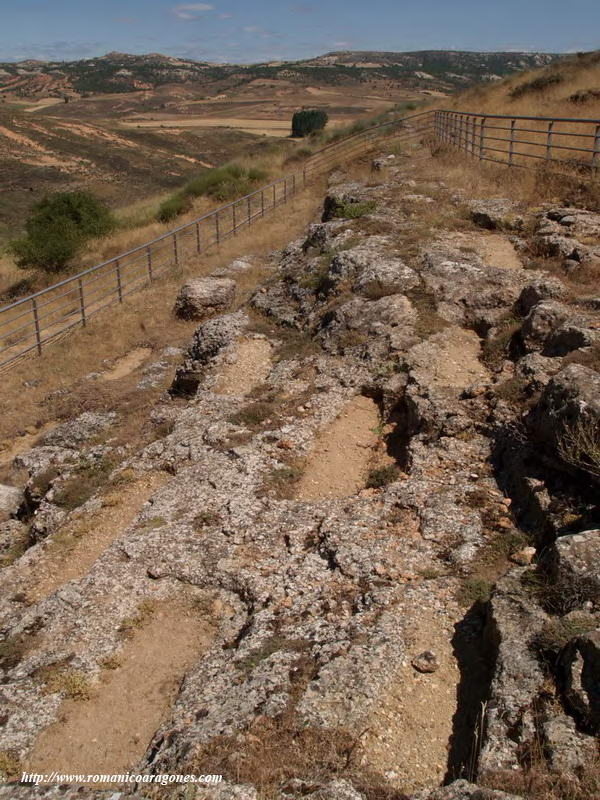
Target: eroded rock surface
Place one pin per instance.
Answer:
(338, 618)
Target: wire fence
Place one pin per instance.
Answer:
(522, 141)
(31, 323)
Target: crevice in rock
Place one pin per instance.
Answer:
(475, 646)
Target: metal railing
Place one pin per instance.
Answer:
(522, 141)
(29, 324)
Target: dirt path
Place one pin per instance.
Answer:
(250, 369)
(127, 364)
(111, 731)
(412, 724)
(340, 459)
(73, 549)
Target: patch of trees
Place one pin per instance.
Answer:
(308, 121)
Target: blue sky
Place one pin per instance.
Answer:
(259, 30)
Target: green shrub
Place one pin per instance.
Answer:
(382, 476)
(57, 229)
(173, 207)
(536, 85)
(221, 183)
(308, 121)
(354, 210)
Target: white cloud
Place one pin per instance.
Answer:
(342, 44)
(225, 15)
(253, 29)
(191, 10)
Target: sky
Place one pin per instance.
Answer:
(246, 31)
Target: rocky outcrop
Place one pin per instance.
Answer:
(11, 499)
(202, 297)
(329, 616)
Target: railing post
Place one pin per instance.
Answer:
(549, 141)
(262, 202)
(119, 284)
(149, 261)
(36, 323)
(482, 138)
(218, 233)
(175, 251)
(233, 221)
(249, 210)
(596, 153)
(198, 245)
(511, 146)
(81, 302)
(304, 176)
(473, 135)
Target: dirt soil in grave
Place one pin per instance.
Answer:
(343, 453)
(110, 732)
(251, 367)
(71, 553)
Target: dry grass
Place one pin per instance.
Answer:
(146, 320)
(536, 781)
(275, 752)
(551, 99)
(579, 446)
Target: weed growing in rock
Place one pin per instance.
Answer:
(84, 482)
(71, 682)
(496, 349)
(206, 519)
(354, 210)
(282, 480)
(474, 590)
(557, 633)
(10, 766)
(253, 415)
(380, 477)
(579, 446)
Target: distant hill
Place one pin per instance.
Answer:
(444, 70)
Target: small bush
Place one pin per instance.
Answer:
(557, 633)
(172, 207)
(474, 590)
(78, 488)
(70, 682)
(307, 122)
(282, 480)
(10, 766)
(579, 446)
(221, 183)
(536, 85)
(253, 415)
(353, 210)
(382, 476)
(58, 228)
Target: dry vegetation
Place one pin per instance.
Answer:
(146, 321)
(565, 89)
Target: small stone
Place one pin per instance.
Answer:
(523, 557)
(285, 444)
(426, 662)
